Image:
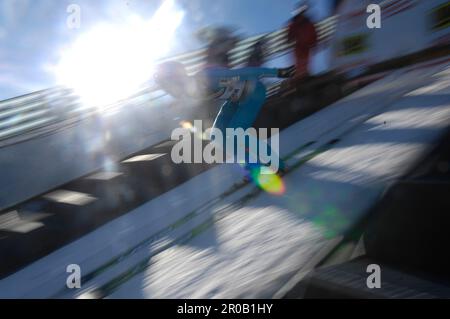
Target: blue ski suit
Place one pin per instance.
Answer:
(244, 96)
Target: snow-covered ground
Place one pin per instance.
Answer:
(187, 244)
(37, 165)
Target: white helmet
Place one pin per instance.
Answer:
(171, 76)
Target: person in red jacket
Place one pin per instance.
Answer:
(303, 32)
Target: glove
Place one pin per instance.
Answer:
(285, 73)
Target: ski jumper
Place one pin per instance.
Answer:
(244, 96)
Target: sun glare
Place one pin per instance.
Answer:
(110, 62)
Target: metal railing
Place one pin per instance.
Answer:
(45, 111)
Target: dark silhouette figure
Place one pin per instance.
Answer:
(303, 33)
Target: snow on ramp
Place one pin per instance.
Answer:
(191, 243)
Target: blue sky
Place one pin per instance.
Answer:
(33, 31)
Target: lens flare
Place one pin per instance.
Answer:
(187, 125)
(270, 183)
(110, 62)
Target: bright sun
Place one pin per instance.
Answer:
(110, 62)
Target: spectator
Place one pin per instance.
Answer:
(256, 58)
(303, 33)
(220, 41)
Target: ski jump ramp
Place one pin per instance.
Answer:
(200, 241)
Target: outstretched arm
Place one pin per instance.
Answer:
(245, 73)
(223, 83)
